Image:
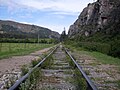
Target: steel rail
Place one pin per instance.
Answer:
(23, 78)
(90, 84)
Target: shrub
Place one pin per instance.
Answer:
(47, 63)
(80, 82)
(24, 70)
(34, 62)
(94, 46)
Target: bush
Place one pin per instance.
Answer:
(24, 70)
(34, 62)
(32, 82)
(94, 46)
(47, 63)
(111, 48)
(115, 49)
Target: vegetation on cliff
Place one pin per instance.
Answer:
(102, 35)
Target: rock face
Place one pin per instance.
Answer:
(16, 29)
(94, 18)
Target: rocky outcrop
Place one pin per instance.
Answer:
(94, 18)
(16, 29)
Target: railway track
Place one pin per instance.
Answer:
(57, 71)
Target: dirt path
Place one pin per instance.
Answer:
(13, 65)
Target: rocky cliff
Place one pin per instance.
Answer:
(98, 27)
(96, 17)
(20, 30)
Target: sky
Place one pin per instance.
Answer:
(52, 14)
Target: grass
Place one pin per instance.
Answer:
(100, 57)
(103, 58)
(116, 82)
(48, 62)
(15, 49)
(32, 81)
(24, 70)
(68, 72)
(71, 63)
(79, 81)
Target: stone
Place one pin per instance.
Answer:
(93, 18)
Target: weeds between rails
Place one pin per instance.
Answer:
(32, 82)
(78, 81)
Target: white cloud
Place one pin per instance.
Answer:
(65, 13)
(60, 6)
(65, 6)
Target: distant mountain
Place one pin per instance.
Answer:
(11, 29)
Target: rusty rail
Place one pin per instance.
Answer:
(90, 84)
(22, 79)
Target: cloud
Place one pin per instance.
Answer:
(10, 4)
(70, 7)
(63, 6)
(53, 14)
(65, 13)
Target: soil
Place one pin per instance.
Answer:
(104, 76)
(12, 66)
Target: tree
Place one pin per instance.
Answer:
(63, 35)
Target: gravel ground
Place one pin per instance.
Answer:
(55, 78)
(105, 76)
(11, 67)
